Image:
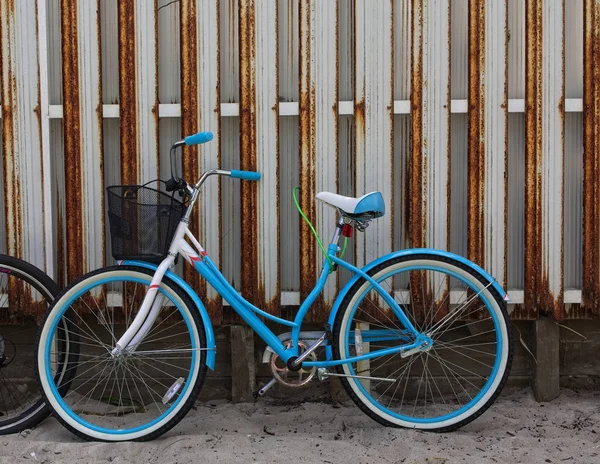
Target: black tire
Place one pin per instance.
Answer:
(18, 365)
(126, 417)
(465, 363)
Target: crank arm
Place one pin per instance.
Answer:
(263, 391)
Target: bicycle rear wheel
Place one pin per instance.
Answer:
(463, 371)
(25, 294)
(140, 393)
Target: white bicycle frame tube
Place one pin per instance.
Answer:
(144, 320)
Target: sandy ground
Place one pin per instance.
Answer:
(515, 430)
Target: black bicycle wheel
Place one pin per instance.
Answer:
(25, 295)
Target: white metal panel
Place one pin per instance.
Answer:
(436, 120)
(324, 133)
(493, 79)
(552, 155)
(207, 14)
(22, 142)
(267, 146)
(147, 89)
(90, 99)
(49, 243)
(374, 118)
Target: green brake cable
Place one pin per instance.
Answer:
(294, 195)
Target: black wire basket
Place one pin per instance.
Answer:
(142, 222)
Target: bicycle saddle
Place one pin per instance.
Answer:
(371, 204)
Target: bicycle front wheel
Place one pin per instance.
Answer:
(140, 393)
(449, 383)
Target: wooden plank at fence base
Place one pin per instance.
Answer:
(546, 378)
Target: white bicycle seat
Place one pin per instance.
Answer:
(371, 203)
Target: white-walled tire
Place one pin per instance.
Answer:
(453, 381)
(138, 395)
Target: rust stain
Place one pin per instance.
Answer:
(559, 309)
(60, 247)
(308, 267)
(591, 154)
(38, 116)
(476, 143)
(23, 307)
(72, 138)
(189, 116)
(249, 202)
(100, 122)
(215, 305)
(448, 135)
(390, 111)
(416, 222)
(505, 107)
(127, 92)
(12, 184)
(534, 293)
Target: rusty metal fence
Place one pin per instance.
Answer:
(479, 120)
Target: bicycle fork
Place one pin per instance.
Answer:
(144, 320)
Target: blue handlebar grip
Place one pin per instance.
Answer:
(200, 137)
(245, 175)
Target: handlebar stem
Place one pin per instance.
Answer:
(195, 190)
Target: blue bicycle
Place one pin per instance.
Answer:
(420, 338)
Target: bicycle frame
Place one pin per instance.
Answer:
(198, 258)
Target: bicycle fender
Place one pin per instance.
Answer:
(413, 251)
(210, 336)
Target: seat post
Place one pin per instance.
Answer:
(338, 228)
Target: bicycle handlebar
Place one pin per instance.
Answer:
(200, 137)
(245, 175)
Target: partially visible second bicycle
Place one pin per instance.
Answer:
(25, 295)
(420, 338)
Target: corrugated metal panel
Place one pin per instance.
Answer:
(259, 110)
(339, 114)
(374, 117)
(138, 90)
(487, 133)
(544, 158)
(201, 112)
(21, 141)
(591, 141)
(82, 109)
(430, 164)
(318, 136)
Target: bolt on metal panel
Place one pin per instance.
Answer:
(374, 119)
(319, 153)
(82, 109)
(201, 112)
(259, 113)
(488, 136)
(544, 129)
